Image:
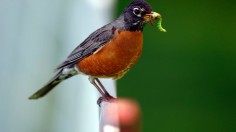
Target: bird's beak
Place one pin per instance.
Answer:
(151, 16)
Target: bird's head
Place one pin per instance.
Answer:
(137, 14)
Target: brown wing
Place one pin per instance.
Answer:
(90, 45)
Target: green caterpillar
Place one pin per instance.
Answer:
(159, 26)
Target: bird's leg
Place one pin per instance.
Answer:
(105, 95)
(92, 81)
(104, 89)
(108, 97)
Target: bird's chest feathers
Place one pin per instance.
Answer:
(116, 57)
(125, 46)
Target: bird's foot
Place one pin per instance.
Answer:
(109, 99)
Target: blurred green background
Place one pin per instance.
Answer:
(186, 78)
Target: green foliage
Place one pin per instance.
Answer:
(185, 80)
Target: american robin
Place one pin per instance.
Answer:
(109, 52)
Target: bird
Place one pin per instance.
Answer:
(108, 52)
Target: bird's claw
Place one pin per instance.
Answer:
(109, 99)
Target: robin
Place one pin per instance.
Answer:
(109, 52)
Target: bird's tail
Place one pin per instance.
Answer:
(61, 75)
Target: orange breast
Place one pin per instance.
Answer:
(116, 57)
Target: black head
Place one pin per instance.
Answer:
(136, 15)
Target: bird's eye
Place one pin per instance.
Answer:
(137, 12)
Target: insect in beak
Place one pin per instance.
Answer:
(151, 16)
(156, 16)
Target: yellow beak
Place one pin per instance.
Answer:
(152, 15)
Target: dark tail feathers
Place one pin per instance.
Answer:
(59, 77)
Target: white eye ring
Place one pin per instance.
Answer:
(137, 12)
